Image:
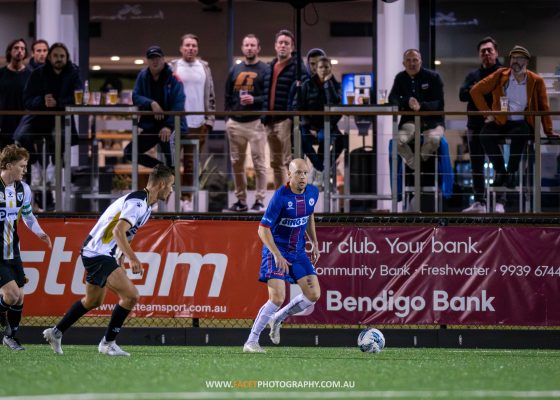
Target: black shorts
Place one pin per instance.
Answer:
(99, 268)
(12, 270)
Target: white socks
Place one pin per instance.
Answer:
(265, 314)
(298, 304)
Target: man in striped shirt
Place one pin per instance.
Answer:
(103, 258)
(15, 201)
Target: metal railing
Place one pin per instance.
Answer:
(63, 189)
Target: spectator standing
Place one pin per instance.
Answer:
(39, 51)
(317, 92)
(277, 84)
(488, 54)
(198, 86)
(245, 92)
(49, 88)
(13, 78)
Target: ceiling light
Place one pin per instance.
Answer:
(238, 61)
(139, 61)
(334, 61)
(115, 58)
(437, 62)
(96, 67)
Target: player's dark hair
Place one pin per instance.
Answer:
(39, 41)
(11, 46)
(160, 172)
(487, 39)
(284, 32)
(12, 154)
(324, 59)
(190, 36)
(58, 45)
(412, 51)
(252, 36)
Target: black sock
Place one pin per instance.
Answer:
(117, 321)
(3, 306)
(74, 313)
(14, 318)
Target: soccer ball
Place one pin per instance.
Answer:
(371, 340)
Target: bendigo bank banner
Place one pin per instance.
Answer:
(368, 275)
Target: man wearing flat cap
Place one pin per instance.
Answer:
(158, 90)
(525, 91)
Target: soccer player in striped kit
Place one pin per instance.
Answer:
(104, 263)
(288, 217)
(15, 200)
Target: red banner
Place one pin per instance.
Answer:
(382, 275)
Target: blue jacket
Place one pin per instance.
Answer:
(445, 171)
(174, 99)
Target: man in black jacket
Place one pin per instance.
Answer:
(49, 88)
(488, 54)
(277, 84)
(39, 51)
(319, 90)
(245, 92)
(418, 89)
(13, 78)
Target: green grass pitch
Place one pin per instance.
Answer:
(166, 372)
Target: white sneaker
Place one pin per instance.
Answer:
(499, 208)
(311, 176)
(318, 179)
(54, 339)
(111, 349)
(186, 206)
(274, 331)
(476, 207)
(51, 176)
(253, 347)
(36, 174)
(12, 343)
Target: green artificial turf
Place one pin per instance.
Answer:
(182, 372)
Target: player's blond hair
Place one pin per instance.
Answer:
(12, 154)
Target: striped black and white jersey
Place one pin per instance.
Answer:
(15, 200)
(133, 208)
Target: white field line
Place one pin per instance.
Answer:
(379, 394)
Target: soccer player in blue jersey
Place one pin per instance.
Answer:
(104, 263)
(15, 202)
(287, 219)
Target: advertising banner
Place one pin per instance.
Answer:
(475, 275)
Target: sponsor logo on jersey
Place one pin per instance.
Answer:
(293, 222)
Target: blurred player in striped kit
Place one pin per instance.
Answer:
(15, 201)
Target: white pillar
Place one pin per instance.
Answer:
(48, 20)
(396, 31)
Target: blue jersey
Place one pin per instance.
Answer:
(287, 216)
